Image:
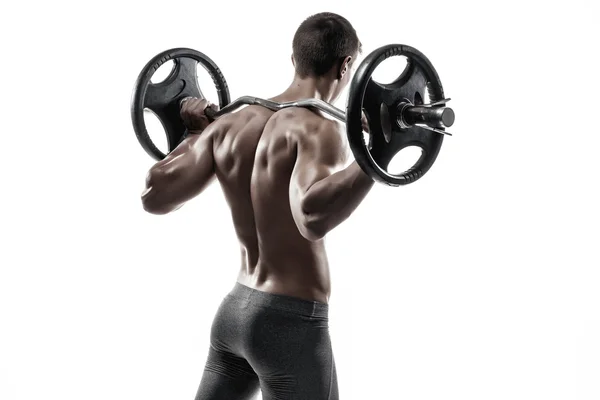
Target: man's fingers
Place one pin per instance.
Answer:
(205, 104)
(194, 112)
(185, 102)
(193, 102)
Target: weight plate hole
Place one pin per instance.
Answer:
(163, 72)
(156, 131)
(205, 81)
(404, 160)
(390, 69)
(367, 136)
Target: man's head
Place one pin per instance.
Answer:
(325, 46)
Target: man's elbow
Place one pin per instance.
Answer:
(155, 209)
(151, 203)
(152, 198)
(313, 228)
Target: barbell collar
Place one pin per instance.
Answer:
(435, 117)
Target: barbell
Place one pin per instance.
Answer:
(396, 112)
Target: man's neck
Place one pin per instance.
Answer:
(308, 88)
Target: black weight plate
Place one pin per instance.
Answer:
(163, 98)
(380, 103)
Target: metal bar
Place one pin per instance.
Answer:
(275, 106)
(426, 117)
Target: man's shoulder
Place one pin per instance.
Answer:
(325, 137)
(250, 113)
(248, 118)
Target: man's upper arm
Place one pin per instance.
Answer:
(318, 155)
(182, 174)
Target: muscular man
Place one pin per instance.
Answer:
(283, 176)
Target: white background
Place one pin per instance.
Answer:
(480, 281)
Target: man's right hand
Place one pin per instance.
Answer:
(193, 113)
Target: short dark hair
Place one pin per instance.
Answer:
(321, 41)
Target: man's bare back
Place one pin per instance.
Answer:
(282, 175)
(266, 163)
(283, 178)
(264, 194)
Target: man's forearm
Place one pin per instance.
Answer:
(331, 200)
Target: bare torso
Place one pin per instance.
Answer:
(255, 154)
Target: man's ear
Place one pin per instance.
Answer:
(345, 67)
(293, 61)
